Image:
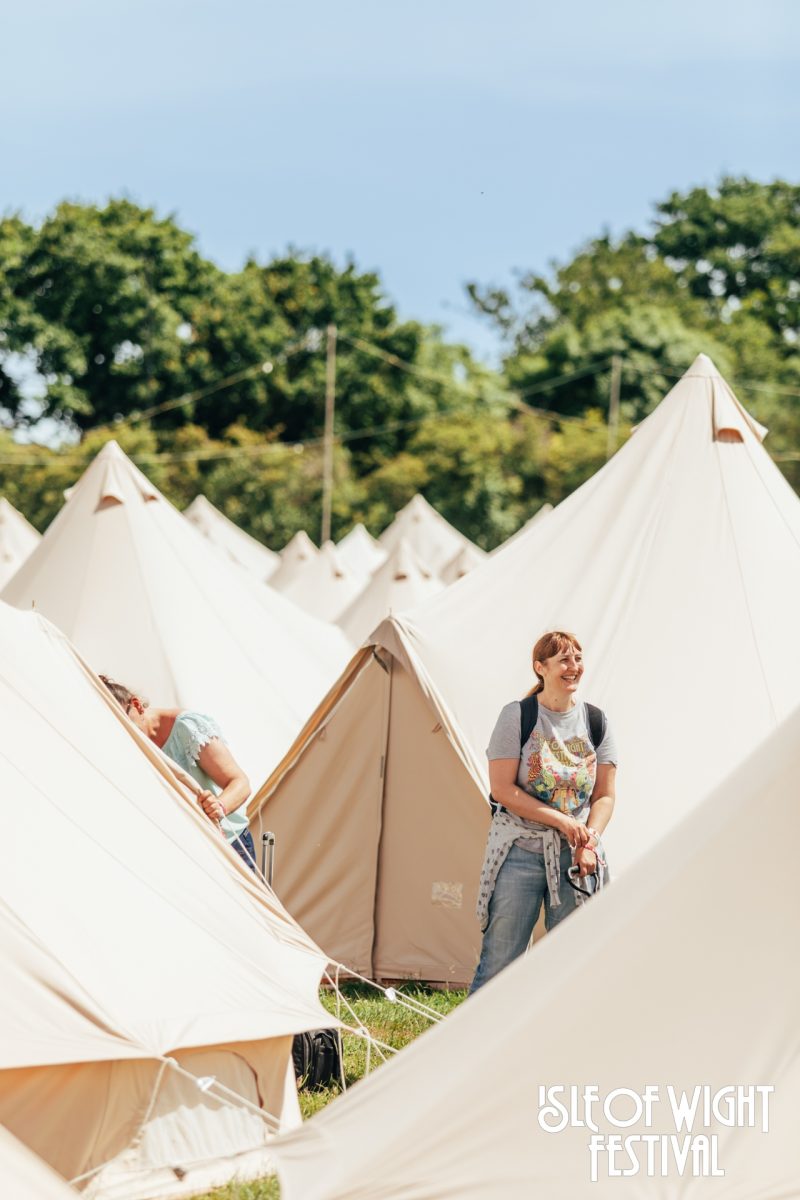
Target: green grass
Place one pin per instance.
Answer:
(392, 1024)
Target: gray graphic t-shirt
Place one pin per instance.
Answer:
(558, 763)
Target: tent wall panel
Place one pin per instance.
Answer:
(326, 852)
(434, 831)
(682, 975)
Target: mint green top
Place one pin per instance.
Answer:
(190, 733)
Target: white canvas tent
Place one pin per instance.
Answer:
(434, 539)
(23, 1176)
(397, 586)
(323, 585)
(681, 974)
(467, 558)
(239, 546)
(678, 565)
(139, 955)
(146, 599)
(18, 539)
(360, 551)
(295, 556)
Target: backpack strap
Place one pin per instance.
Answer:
(596, 720)
(529, 715)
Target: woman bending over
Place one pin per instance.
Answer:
(195, 742)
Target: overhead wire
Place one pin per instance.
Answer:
(502, 401)
(504, 398)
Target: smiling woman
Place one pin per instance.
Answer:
(552, 765)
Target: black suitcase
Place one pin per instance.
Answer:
(317, 1058)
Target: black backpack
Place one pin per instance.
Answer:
(317, 1059)
(529, 715)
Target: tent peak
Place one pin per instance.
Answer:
(704, 367)
(405, 562)
(111, 449)
(329, 552)
(301, 543)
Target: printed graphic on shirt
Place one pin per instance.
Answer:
(562, 773)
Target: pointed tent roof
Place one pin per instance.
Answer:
(666, 922)
(688, 538)
(17, 539)
(677, 564)
(467, 558)
(295, 556)
(160, 944)
(434, 539)
(400, 584)
(146, 599)
(360, 551)
(322, 585)
(245, 550)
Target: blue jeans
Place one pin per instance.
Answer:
(243, 845)
(514, 909)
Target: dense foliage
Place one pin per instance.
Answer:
(112, 323)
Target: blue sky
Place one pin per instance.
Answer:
(435, 142)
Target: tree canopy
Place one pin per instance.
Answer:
(719, 273)
(112, 323)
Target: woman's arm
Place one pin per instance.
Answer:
(600, 809)
(219, 764)
(602, 802)
(505, 790)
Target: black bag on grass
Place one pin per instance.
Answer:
(316, 1058)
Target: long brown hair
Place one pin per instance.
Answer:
(555, 642)
(123, 696)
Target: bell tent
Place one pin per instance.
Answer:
(399, 585)
(298, 552)
(361, 552)
(18, 539)
(434, 540)
(145, 969)
(323, 585)
(239, 546)
(147, 599)
(677, 565)
(682, 987)
(466, 560)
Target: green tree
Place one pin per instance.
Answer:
(575, 451)
(116, 312)
(718, 275)
(465, 464)
(98, 300)
(737, 245)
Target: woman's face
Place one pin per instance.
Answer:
(563, 671)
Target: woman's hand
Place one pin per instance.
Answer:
(586, 861)
(219, 764)
(211, 806)
(574, 831)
